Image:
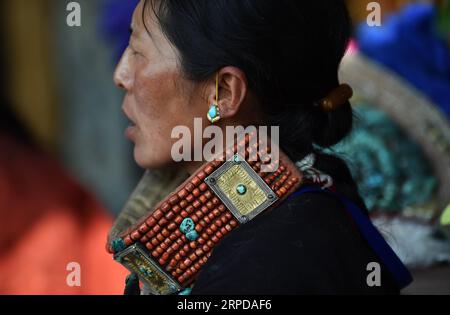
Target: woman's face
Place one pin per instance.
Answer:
(157, 98)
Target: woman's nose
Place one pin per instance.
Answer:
(122, 74)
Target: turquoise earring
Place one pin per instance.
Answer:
(214, 111)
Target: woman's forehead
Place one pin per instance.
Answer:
(145, 22)
(146, 31)
(137, 23)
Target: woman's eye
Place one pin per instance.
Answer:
(133, 52)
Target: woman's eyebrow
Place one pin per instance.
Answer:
(134, 33)
(133, 28)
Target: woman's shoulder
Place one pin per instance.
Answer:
(308, 244)
(312, 223)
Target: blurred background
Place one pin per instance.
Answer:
(66, 169)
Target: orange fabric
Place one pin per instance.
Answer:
(46, 222)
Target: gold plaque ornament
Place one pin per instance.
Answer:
(136, 260)
(241, 189)
(247, 201)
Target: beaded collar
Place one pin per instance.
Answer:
(171, 241)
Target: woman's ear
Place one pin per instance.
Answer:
(233, 87)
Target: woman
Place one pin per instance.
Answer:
(260, 63)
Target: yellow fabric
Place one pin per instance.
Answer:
(29, 73)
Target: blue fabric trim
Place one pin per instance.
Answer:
(384, 252)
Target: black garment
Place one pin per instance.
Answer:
(307, 245)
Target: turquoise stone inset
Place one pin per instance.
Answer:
(118, 245)
(146, 272)
(188, 229)
(192, 235)
(241, 189)
(186, 292)
(188, 225)
(213, 112)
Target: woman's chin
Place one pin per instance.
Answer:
(149, 161)
(141, 159)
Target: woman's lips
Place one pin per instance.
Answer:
(132, 128)
(130, 132)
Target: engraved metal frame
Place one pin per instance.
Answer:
(211, 181)
(137, 249)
